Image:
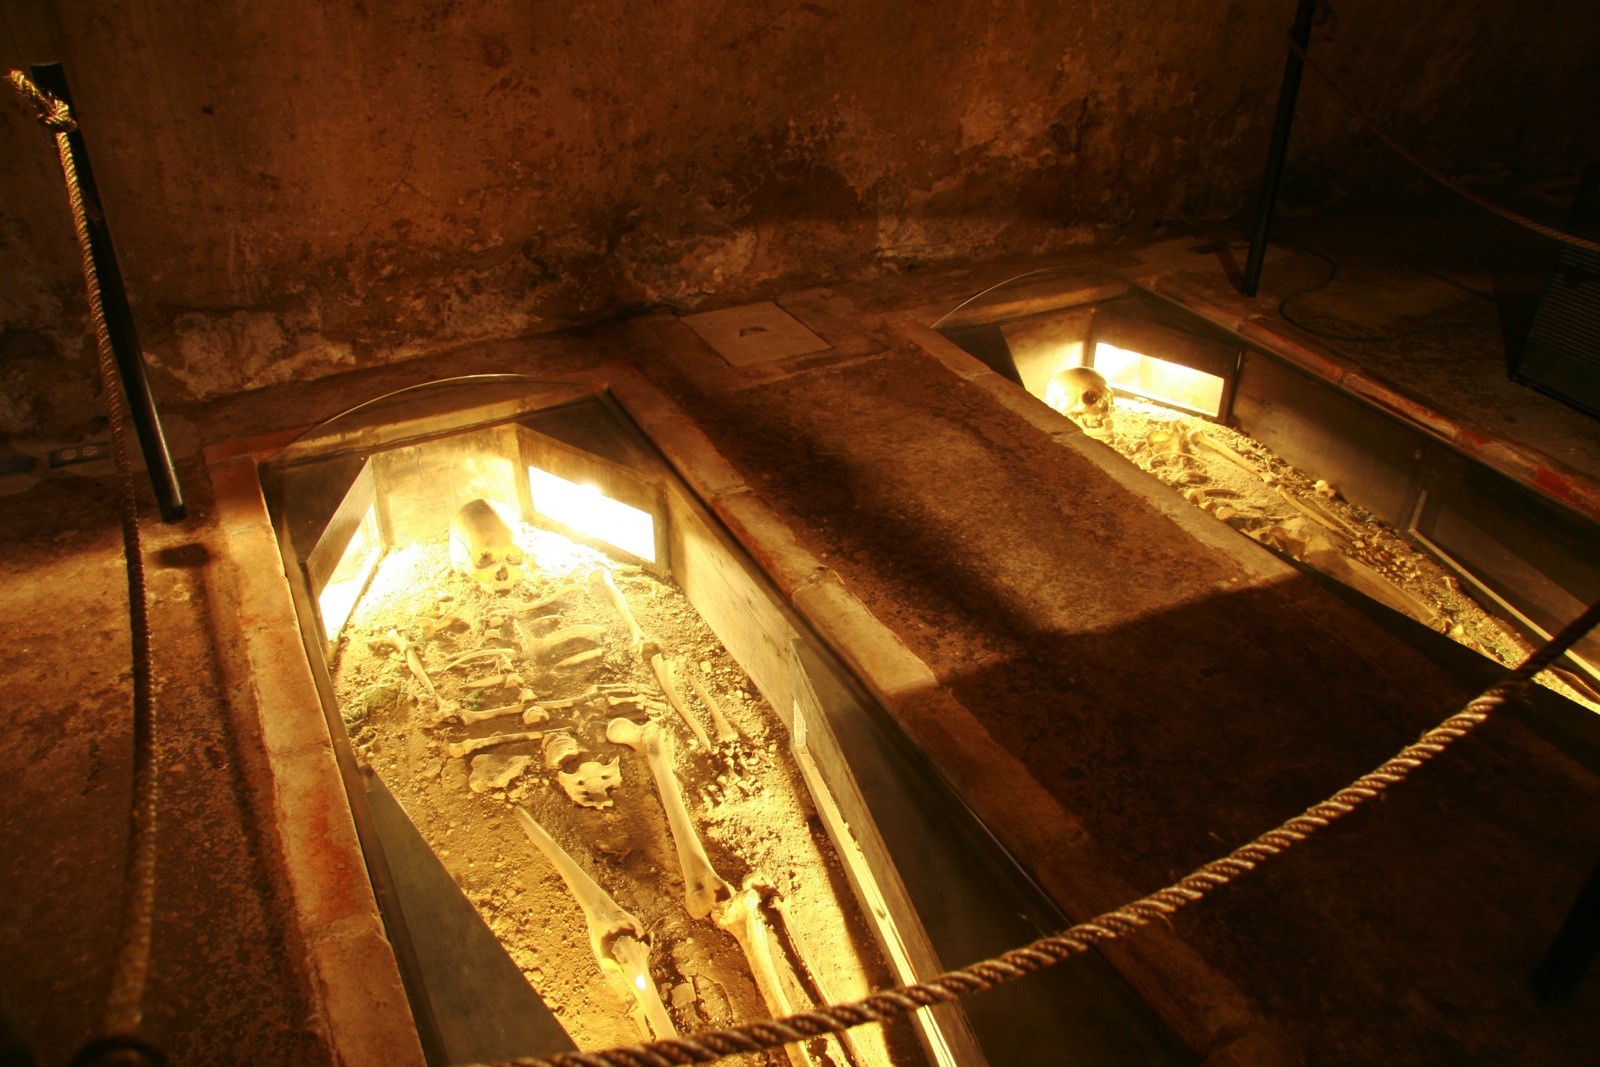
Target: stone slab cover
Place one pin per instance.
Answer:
(754, 333)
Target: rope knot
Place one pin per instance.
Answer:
(53, 114)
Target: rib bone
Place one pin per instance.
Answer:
(707, 893)
(462, 749)
(508, 680)
(585, 697)
(702, 885)
(615, 936)
(481, 653)
(579, 659)
(526, 607)
(548, 647)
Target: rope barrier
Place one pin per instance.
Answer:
(1048, 951)
(131, 965)
(1433, 172)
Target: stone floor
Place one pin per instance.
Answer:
(1165, 697)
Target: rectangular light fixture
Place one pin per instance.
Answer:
(586, 510)
(1159, 380)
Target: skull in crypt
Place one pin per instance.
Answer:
(1082, 395)
(482, 546)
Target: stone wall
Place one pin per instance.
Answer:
(298, 187)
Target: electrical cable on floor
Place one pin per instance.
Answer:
(1360, 339)
(124, 1011)
(1431, 171)
(1128, 919)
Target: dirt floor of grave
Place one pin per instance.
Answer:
(745, 796)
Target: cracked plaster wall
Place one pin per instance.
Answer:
(301, 187)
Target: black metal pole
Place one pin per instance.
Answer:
(1288, 95)
(119, 318)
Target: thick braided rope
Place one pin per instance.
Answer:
(53, 114)
(123, 1011)
(1048, 951)
(1410, 157)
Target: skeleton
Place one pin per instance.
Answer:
(615, 936)
(1082, 395)
(463, 749)
(483, 548)
(707, 893)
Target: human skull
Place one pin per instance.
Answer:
(1082, 395)
(483, 548)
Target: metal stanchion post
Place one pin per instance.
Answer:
(1288, 95)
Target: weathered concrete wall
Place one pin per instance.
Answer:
(301, 186)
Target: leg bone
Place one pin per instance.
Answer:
(740, 914)
(705, 891)
(725, 731)
(663, 673)
(615, 936)
(703, 886)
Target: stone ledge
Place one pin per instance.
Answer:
(354, 978)
(1528, 466)
(1202, 1007)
